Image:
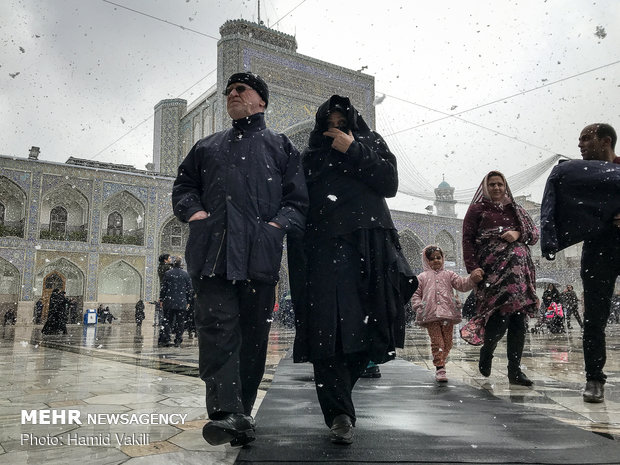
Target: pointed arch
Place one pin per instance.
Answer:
(299, 133)
(412, 247)
(173, 236)
(58, 220)
(120, 279)
(131, 229)
(14, 202)
(64, 274)
(115, 224)
(64, 214)
(446, 241)
(119, 288)
(72, 273)
(10, 279)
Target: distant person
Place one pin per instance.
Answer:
(550, 295)
(72, 309)
(349, 278)
(435, 305)
(106, 316)
(582, 203)
(164, 264)
(176, 295)
(139, 314)
(100, 310)
(241, 190)
(497, 233)
(570, 303)
(10, 317)
(57, 314)
(287, 311)
(38, 312)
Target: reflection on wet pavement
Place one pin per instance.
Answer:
(553, 361)
(118, 369)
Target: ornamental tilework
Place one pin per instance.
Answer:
(310, 78)
(14, 256)
(111, 188)
(96, 212)
(164, 211)
(29, 272)
(91, 280)
(33, 210)
(49, 183)
(21, 178)
(151, 224)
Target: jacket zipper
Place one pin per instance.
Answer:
(218, 252)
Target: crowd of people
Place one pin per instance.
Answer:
(556, 310)
(349, 282)
(245, 189)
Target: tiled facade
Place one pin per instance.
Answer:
(92, 191)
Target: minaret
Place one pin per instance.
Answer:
(167, 136)
(444, 199)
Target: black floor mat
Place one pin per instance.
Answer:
(405, 417)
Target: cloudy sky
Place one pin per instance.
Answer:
(468, 86)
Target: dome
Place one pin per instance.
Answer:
(444, 185)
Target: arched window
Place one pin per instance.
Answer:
(1, 213)
(115, 224)
(54, 281)
(58, 220)
(176, 235)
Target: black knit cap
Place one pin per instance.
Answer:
(254, 81)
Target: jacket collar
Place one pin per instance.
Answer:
(252, 123)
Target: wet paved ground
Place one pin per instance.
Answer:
(117, 369)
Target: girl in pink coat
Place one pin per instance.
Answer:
(435, 304)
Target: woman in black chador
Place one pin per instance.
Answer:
(56, 315)
(349, 279)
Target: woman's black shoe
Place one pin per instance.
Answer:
(519, 379)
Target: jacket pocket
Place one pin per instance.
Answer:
(266, 254)
(202, 246)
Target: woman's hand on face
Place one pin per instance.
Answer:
(342, 140)
(511, 236)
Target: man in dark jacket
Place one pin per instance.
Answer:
(241, 190)
(175, 295)
(582, 202)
